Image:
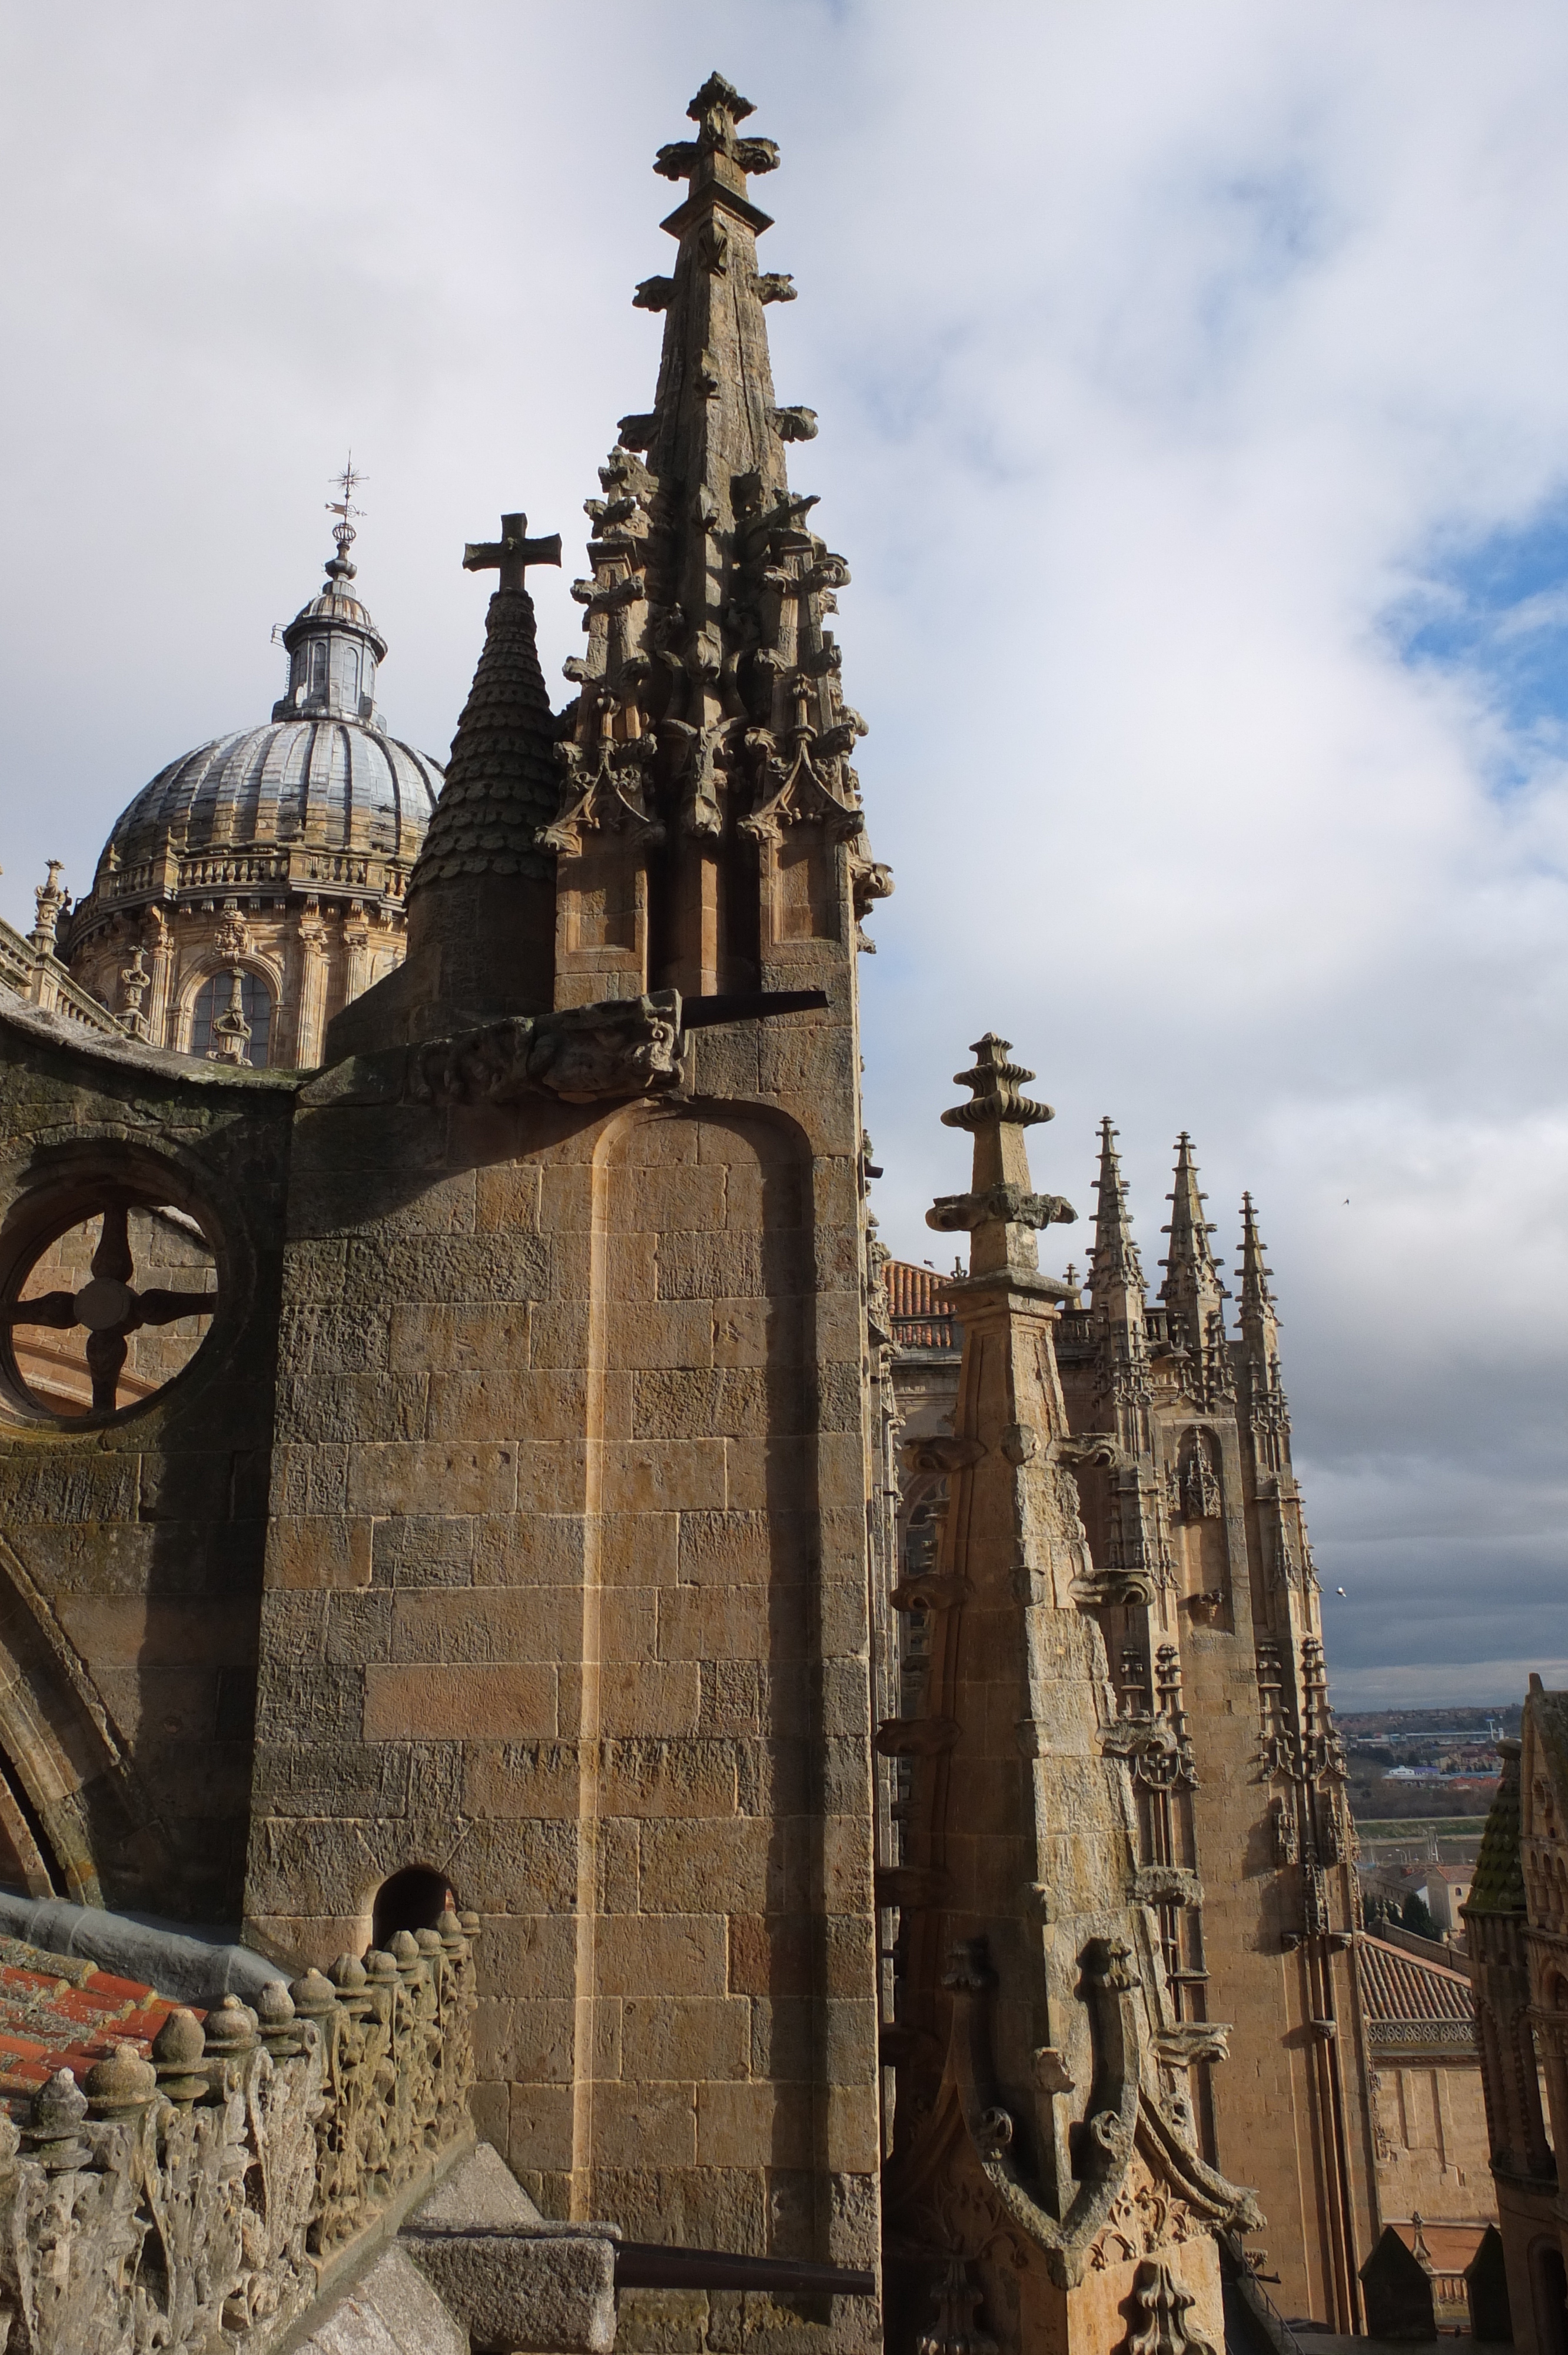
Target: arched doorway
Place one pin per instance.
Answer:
(1549, 2294)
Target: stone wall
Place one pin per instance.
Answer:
(131, 1559)
(566, 1602)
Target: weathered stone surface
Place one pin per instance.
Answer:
(539, 2290)
(392, 2310)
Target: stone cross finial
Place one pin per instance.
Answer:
(512, 554)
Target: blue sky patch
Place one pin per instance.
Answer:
(1496, 607)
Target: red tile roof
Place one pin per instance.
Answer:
(60, 2011)
(1397, 1987)
(922, 1317)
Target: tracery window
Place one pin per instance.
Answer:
(215, 999)
(105, 1299)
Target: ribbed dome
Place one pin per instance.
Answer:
(334, 784)
(321, 774)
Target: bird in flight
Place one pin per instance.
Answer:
(1340, 1590)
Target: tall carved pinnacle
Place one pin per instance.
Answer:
(1117, 1273)
(1256, 1300)
(1192, 1291)
(1259, 1350)
(710, 706)
(503, 780)
(1189, 1265)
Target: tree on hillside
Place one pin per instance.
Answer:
(1416, 1917)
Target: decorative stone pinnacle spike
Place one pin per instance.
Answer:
(1001, 1211)
(1255, 1292)
(995, 1083)
(718, 93)
(1114, 1264)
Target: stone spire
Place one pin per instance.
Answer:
(1117, 1282)
(1192, 1292)
(707, 789)
(1260, 1316)
(500, 792)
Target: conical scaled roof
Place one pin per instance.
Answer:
(502, 781)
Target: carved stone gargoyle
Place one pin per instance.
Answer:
(625, 1047)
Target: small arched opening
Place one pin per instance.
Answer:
(1549, 2294)
(414, 1899)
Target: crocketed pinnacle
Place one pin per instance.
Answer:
(1255, 1292)
(1260, 1316)
(1191, 1268)
(503, 782)
(710, 694)
(1116, 1265)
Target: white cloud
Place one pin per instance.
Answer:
(1159, 356)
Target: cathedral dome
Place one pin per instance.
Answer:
(322, 775)
(322, 783)
(275, 860)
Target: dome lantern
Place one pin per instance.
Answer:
(332, 645)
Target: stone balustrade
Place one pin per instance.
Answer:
(197, 2199)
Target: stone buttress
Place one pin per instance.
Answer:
(1207, 1600)
(1042, 2138)
(567, 1594)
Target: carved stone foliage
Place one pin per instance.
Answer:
(1142, 2217)
(626, 1047)
(961, 1213)
(177, 2203)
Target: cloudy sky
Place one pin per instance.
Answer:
(1193, 388)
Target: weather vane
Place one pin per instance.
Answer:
(348, 482)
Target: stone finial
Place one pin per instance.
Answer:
(122, 2084)
(53, 2131)
(953, 2328)
(276, 2019)
(178, 2050)
(1001, 1213)
(995, 1083)
(230, 2030)
(510, 555)
(313, 1996)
